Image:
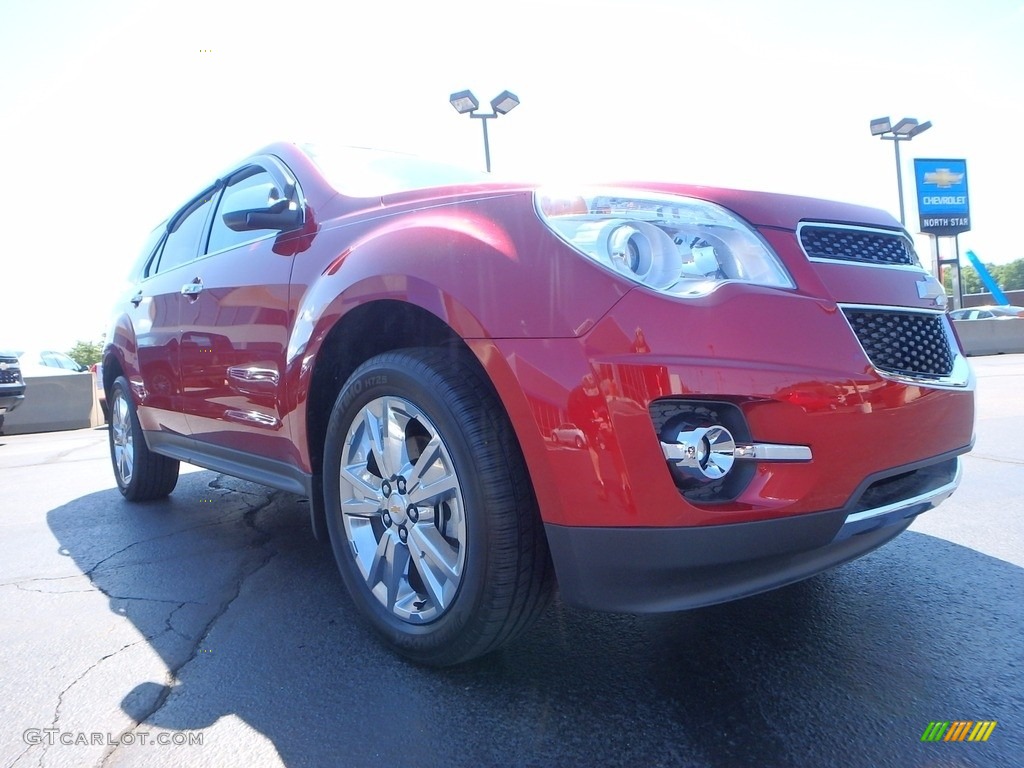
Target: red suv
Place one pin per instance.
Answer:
(662, 396)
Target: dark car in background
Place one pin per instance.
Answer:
(663, 396)
(12, 384)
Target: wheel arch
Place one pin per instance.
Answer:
(379, 326)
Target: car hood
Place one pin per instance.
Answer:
(770, 209)
(762, 209)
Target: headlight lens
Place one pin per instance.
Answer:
(678, 245)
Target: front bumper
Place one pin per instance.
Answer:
(647, 570)
(11, 398)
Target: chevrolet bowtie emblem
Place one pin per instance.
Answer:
(943, 178)
(930, 288)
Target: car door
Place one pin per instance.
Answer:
(234, 324)
(155, 312)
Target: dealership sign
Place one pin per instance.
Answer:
(942, 200)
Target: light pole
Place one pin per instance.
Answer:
(502, 104)
(904, 130)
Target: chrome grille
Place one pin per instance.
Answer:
(906, 343)
(871, 246)
(10, 371)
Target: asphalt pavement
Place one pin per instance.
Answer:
(210, 629)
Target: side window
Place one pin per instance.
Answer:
(145, 264)
(182, 245)
(255, 191)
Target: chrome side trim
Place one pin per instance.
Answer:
(676, 452)
(870, 519)
(866, 264)
(892, 308)
(773, 452)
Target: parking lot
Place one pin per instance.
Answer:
(211, 629)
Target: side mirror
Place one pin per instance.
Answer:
(276, 216)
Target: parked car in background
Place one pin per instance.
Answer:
(987, 311)
(569, 434)
(12, 384)
(101, 394)
(48, 362)
(776, 386)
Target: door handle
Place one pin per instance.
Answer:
(137, 298)
(193, 289)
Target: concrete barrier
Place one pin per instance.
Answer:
(991, 336)
(52, 403)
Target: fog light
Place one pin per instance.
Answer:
(703, 454)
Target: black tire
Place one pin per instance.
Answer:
(141, 474)
(468, 566)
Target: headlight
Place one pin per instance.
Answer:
(677, 245)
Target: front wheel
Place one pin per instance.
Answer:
(431, 515)
(141, 474)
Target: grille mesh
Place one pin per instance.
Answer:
(13, 374)
(907, 343)
(860, 245)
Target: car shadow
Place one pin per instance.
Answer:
(227, 584)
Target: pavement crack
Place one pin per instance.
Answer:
(59, 457)
(99, 590)
(226, 518)
(997, 459)
(255, 565)
(64, 692)
(33, 579)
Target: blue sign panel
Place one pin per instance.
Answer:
(942, 200)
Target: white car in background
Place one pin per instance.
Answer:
(986, 311)
(47, 362)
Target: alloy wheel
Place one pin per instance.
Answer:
(403, 510)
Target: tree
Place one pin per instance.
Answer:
(969, 280)
(86, 352)
(1009, 277)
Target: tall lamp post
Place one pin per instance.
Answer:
(904, 130)
(502, 104)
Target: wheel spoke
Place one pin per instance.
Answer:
(427, 494)
(359, 482)
(373, 430)
(390, 568)
(396, 455)
(432, 480)
(126, 464)
(436, 561)
(361, 508)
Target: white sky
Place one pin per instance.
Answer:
(111, 113)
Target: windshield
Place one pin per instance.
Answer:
(361, 172)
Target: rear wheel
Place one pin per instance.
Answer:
(141, 474)
(431, 514)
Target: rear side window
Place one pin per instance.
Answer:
(182, 243)
(145, 265)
